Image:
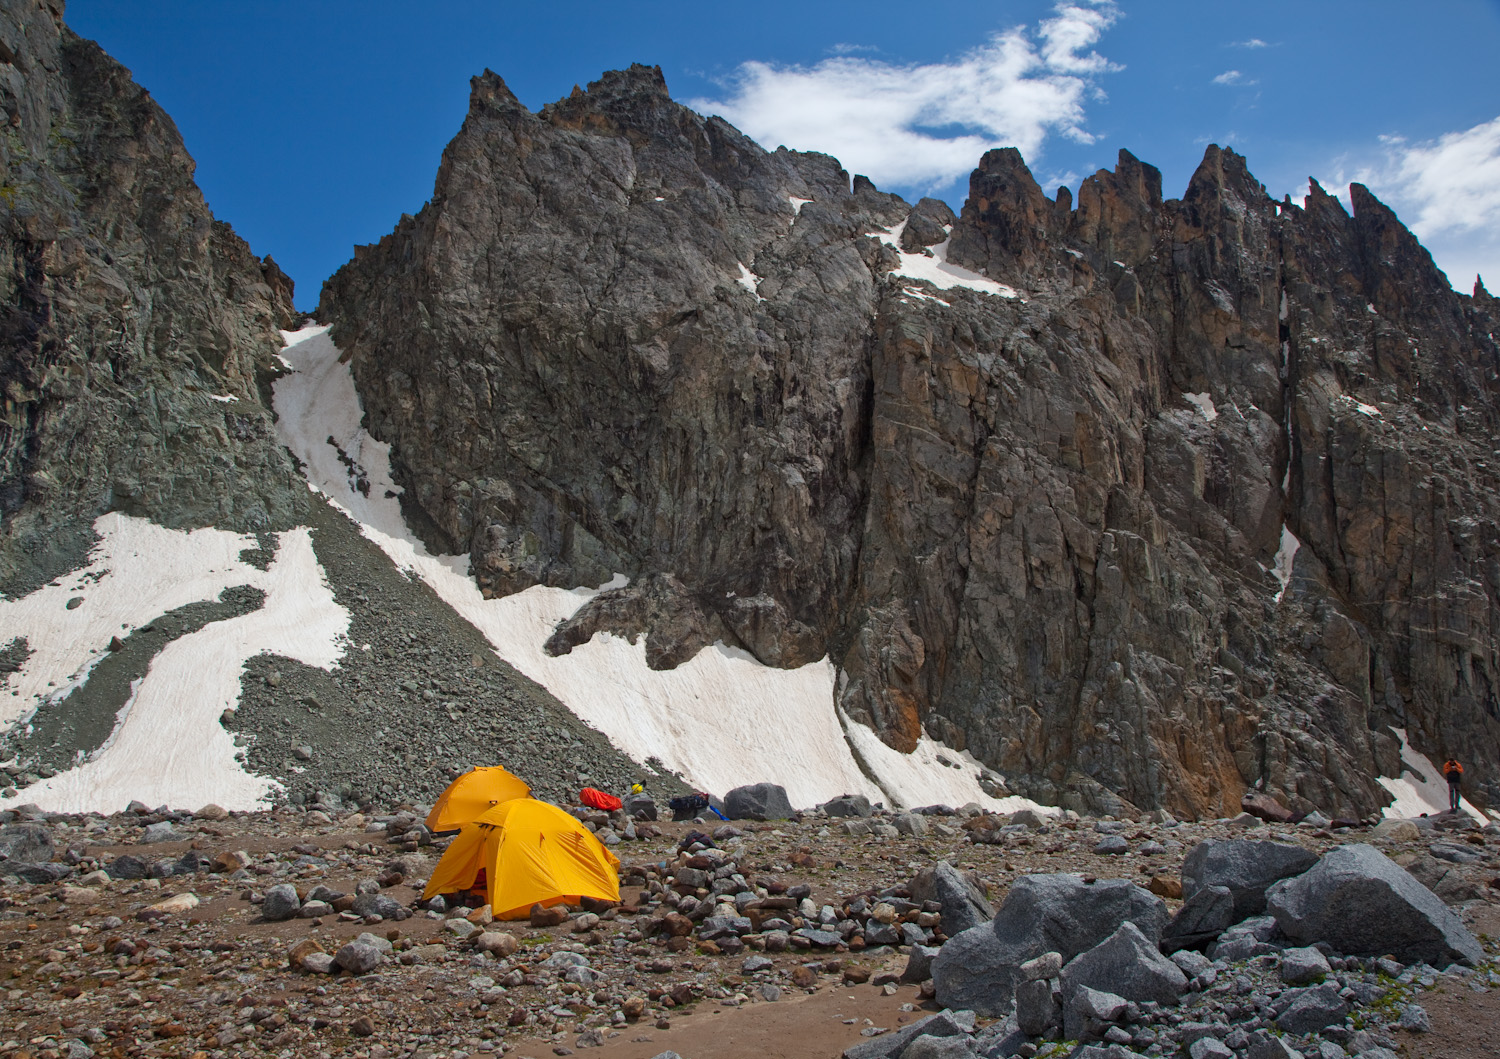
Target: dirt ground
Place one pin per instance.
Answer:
(1465, 1023)
(81, 964)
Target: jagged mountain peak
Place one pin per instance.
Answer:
(1028, 476)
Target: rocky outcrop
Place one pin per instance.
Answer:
(1208, 506)
(137, 329)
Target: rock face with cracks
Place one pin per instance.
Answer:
(138, 330)
(1210, 505)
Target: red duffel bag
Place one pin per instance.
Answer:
(599, 800)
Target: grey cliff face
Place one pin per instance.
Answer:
(613, 342)
(126, 309)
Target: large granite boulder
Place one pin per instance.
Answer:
(25, 844)
(1363, 904)
(1200, 920)
(758, 801)
(1247, 868)
(978, 969)
(964, 903)
(1127, 964)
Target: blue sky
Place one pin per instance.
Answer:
(316, 123)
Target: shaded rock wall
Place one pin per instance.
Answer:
(125, 308)
(611, 342)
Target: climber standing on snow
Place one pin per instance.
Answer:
(1454, 772)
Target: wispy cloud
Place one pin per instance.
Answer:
(1233, 77)
(853, 49)
(925, 125)
(1253, 42)
(1447, 190)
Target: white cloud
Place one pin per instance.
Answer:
(925, 125)
(1447, 191)
(1253, 42)
(1233, 77)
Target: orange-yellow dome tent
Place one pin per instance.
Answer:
(531, 853)
(473, 793)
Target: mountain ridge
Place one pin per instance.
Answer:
(873, 444)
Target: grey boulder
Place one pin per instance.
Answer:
(978, 968)
(376, 905)
(639, 807)
(281, 902)
(359, 957)
(919, 964)
(1089, 1012)
(892, 1045)
(1038, 1007)
(758, 801)
(1127, 964)
(1304, 966)
(964, 904)
(1312, 1010)
(1247, 868)
(848, 805)
(25, 844)
(1200, 920)
(1363, 904)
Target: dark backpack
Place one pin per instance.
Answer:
(687, 806)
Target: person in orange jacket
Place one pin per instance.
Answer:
(1454, 773)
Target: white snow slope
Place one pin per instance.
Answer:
(721, 719)
(936, 269)
(168, 746)
(1420, 789)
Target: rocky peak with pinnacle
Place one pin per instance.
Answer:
(1208, 506)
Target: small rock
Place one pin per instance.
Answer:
(359, 957)
(159, 832)
(1304, 966)
(281, 902)
(362, 1026)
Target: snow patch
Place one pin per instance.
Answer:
(797, 205)
(936, 269)
(168, 746)
(749, 280)
(222, 398)
(1420, 790)
(1286, 555)
(721, 719)
(919, 778)
(1204, 403)
(1367, 409)
(921, 295)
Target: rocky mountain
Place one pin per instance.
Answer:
(1144, 502)
(136, 331)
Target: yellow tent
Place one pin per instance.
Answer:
(473, 793)
(530, 853)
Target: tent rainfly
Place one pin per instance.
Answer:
(529, 853)
(473, 793)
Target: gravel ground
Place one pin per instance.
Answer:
(80, 963)
(418, 697)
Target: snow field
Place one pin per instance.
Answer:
(168, 746)
(721, 719)
(936, 269)
(1420, 789)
